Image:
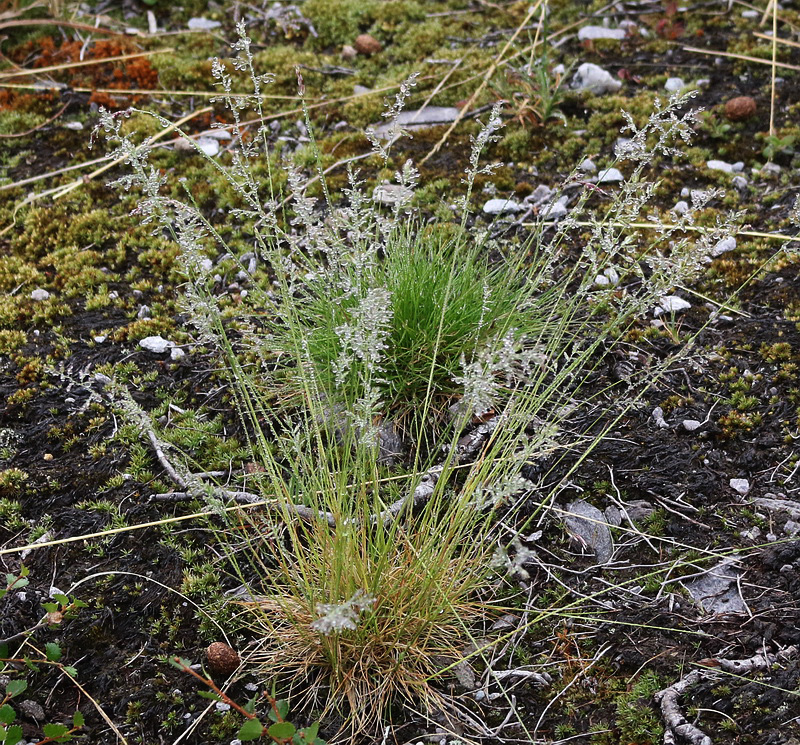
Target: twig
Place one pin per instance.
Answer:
(667, 699)
(83, 63)
(744, 57)
(40, 126)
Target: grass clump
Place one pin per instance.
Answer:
(362, 588)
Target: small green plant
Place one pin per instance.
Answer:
(280, 730)
(57, 612)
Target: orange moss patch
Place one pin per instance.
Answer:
(136, 73)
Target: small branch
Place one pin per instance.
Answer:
(676, 723)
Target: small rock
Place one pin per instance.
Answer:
(673, 85)
(361, 90)
(639, 510)
(719, 165)
(206, 265)
(218, 134)
(144, 312)
(592, 78)
(738, 166)
(740, 108)
(209, 145)
(203, 24)
(31, 709)
(717, 590)
(366, 44)
(430, 116)
(554, 210)
(156, 344)
(609, 278)
(391, 194)
(742, 486)
(38, 295)
(751, 534)
(658, 418)
(176, 354)
(690, 425)
(540, 194)
(673, 304)
(589, 527)
(74, 125)
(751, 14)
(681, 208)
(99, 339)
(770, 169)
(723, 246)
(349, 53)
(609, 176)
(587, 166)
(791, 528)
(501, 206)
(739, 183)
(590, 33)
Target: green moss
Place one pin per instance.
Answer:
(338, 22)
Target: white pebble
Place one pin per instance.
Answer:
(38, 295)
(673, 85)
(609, 176)
(501, 206)
(740, 485)
(156, 344)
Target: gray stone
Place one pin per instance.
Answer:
(144, 312)
(609, 176)
(176, 354)
(740, 183)
(609, 278)
(738, 166)
(639, 510)
(681, 208)
(554, 210)
(202, 24)
(156, 344)
(658, 418)
(594, 79)
(540, 194)
(501, 207)
(719, 165)
(430, 116)
(740, 485)
(590, 33)
(590, 528)
(717, 590)
(723, 246)
(209, 145)
(588, 166)
(770, 169)
(674, 85)
(791, 528)
(31, 709)
(39, 294)
(690, 425)
(391, 194)
(672, 304)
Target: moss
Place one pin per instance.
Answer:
(338, 22)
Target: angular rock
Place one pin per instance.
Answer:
(609, 176)
(593, 78)
(501, 207)
(673, 304)
(587, 166)
(391, 194)
(740, 485)
(590, 33)
(690, 425)
(430, 116)
(717, 590)
(590, 528)
(156, 344)
(723, 246)
(202, 24)
(38, 295)
(719, 165)
(554, 210)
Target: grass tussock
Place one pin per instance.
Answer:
(364, 584)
